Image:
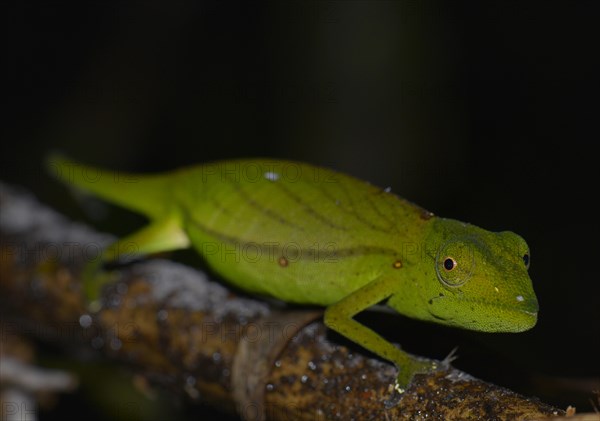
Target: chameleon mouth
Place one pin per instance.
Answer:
(527, 323)
(485, 317)
(511, 320)
(531, 313)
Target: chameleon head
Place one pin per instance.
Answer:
(471, 278)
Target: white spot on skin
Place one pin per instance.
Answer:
(520, 298)
(273, 176)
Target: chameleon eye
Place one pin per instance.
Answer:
(526, 260)
(455, 262)
(449, 263)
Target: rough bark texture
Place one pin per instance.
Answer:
(185, 333)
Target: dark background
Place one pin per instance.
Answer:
(486, 113)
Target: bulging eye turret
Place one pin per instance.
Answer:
(454, 262)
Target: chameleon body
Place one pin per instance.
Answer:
(310, 235)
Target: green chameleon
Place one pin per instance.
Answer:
(310, 235)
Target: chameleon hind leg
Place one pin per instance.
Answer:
(339, 317)
(160, 235)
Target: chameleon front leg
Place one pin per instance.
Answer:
(339, 317)
(161, 235)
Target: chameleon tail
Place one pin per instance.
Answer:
(146, 194)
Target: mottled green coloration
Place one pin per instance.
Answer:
(310, 235)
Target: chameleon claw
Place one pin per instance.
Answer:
(450, 357)
(398, 388)
(406, 374)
